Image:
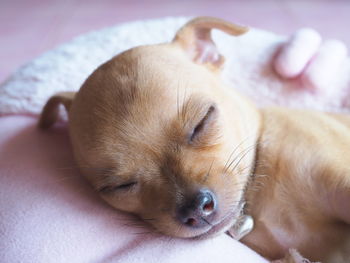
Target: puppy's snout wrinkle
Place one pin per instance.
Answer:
(198, 210)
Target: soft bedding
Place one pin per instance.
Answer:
(249, 67)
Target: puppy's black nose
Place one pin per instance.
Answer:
(198, 210)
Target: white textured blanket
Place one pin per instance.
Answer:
(248, 67)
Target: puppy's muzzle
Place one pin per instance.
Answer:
(198, 210)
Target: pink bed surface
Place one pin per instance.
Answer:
(50, 214)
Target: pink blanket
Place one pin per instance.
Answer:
(48, 213)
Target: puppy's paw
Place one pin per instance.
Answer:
(297, 53)
(325, 66)
(293, 256)
(315, 64)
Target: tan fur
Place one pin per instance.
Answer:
(303, 202)
(132, 121)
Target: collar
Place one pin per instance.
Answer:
(243, 225)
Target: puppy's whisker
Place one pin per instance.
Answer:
(231, 154)
(208, 173)
(177, 100)
(241, 171)
(260, 175)
(206, 221)
(184, 107)
(234, 150)
(238, 155)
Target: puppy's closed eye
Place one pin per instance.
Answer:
(205, 128)
(109, 189)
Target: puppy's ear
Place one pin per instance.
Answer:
(195, 39)
(49, 114)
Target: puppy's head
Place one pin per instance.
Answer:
(157, 134)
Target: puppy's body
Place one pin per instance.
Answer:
(303, 200)
(157, 134)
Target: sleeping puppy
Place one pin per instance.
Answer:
(158, 134)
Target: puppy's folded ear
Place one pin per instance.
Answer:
(49, 114)
(195, 39)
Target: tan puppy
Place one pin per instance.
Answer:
(157, 133)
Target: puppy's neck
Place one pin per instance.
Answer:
(244, 222)
(258, 178)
